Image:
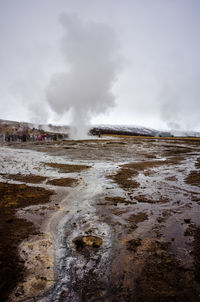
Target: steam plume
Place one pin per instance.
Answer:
(91, 59)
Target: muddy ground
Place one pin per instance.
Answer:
(100, 220)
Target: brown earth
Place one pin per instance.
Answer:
(123, 178)
(193, 178)
(66, 168)
(13, 230)
(64, 182)
(114, 200)
(30, 178)
(134, 219)
(146, 199)
(198, 163)
(133, 244)
(163, 278)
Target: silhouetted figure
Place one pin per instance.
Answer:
(24, 138)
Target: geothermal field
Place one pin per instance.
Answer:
(108, 219)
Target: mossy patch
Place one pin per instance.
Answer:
(67, 168)
(64, 182)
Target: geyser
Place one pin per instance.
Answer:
(92, 60)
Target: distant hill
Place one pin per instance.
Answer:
(140, 131)
(7, 126)
(123, 130)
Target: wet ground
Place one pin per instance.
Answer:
(100, 220)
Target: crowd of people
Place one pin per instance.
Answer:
(6, 137)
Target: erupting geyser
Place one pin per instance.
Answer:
(90, 51)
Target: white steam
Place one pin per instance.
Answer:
(91, 60)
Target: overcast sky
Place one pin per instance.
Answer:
(152, 78)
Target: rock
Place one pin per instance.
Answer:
(91, 241)
(187, 220)
(10, 220)
(17, 294)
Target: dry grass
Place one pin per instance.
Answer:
(193, 178)
(163, 278)
(171, 178)
(125, 174)
(65, 182)
(134, 219)
(113, 200)
(30, 178)
(13, 230)
(188, 139)
(198, 163)
(146, 199)
(176, 150)
(148, 155)
(67, 168)
(118, 211)
(143, 165)
(123, 179)
(133, 244)
(13, 195)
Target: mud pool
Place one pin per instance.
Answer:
(121, 222)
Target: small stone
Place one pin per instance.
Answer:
(9, 220)
(187, 220)
(17, 294)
